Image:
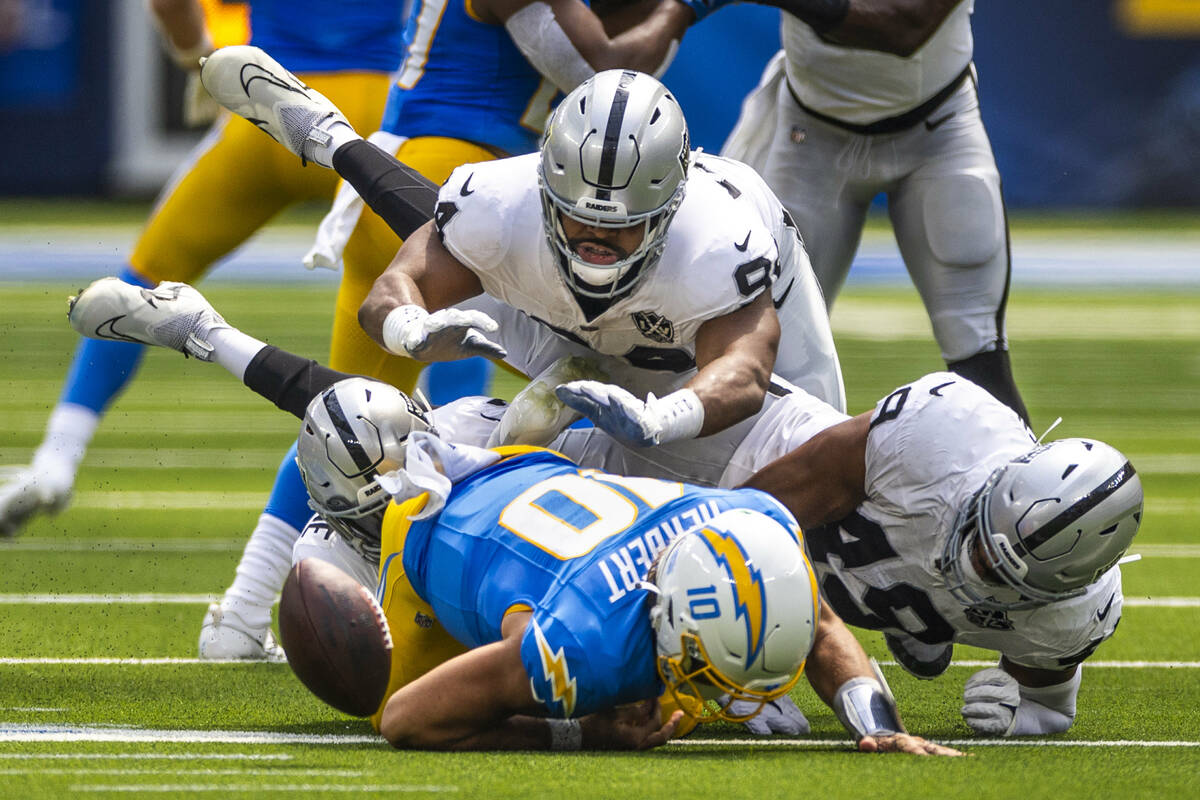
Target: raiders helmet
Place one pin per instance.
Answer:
(615, 154)
(352, 432)
(736, 614)
(1044, 526)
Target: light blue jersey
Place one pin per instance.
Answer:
(465, 79)
(324, 36)
(572, 545)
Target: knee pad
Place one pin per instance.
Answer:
(964, 220)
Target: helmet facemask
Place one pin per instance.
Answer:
(1043, 527)
(615, 155)
(352, 433)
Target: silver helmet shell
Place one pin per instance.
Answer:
(353, 432)
(1044, 526)
(736, 613)
(615, 154)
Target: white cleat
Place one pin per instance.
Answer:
(224, 636)
(28, 493)
(253, 85)
(171, 315)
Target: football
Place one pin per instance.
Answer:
(335, 636)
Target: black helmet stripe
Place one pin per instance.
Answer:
(1078, 508)
(612, 136)
(346, 433)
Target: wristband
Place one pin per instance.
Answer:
(681, 415)
(565, 734)
(394, 324)
(866, 709)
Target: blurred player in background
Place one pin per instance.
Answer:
(871, 96)
(235, 181)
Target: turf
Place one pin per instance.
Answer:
(174, 481)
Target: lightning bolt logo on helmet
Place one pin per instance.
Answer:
(749, 593)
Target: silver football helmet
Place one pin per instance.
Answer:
(615, 154)
(1044, 526)
(353, 432)
(736, 614)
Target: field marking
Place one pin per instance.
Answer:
(847, 744)
(147, 598)
(155, 756)
(170, 661)
(26, 732)
(287, 772)
(150, 598)
(177, 788)
(124, 545)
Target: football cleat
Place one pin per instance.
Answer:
(253, 85)
(224, 636)
(28, 493)
(171, 315)
(925, 661)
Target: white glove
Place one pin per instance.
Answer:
(778, 716)
(990, 700)
(446, 335)
(679, 415)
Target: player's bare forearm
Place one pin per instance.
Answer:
(836, 656)
(899, 27)
(424, 274)
(180, 21)
(735, 355)
(641, 34)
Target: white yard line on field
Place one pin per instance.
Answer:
(845, 743)
(259, 788)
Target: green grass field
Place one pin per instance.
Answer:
(99, 695)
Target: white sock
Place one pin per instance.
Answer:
(340, 133)
(261, 572)
(68, 433)
(234, 350)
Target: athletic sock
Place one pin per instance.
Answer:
(234, 350)
(265, 562)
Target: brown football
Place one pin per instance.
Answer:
(335, 636)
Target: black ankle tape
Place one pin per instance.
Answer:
(403, 197)
(288, 380)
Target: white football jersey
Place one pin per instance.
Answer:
(932, 444)
(721, 252)
(862, 86)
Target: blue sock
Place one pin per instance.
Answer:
(289, 498)
(101, 369)
(450, 380)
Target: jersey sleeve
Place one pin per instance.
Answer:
(583, 666)
(473, 213)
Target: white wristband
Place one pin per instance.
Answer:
(394, 324)
(865, 708)
(565, 734)
(681, 415)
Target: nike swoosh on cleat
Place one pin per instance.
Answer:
(745, 243)
(105, 330)
(937, 390)
(935, 123)
(263, 75)
(466, 190)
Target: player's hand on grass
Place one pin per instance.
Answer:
(904, 743)
(636, 726)
(990, 700)
(778, 716)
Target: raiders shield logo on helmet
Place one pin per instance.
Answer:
(654, 326)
